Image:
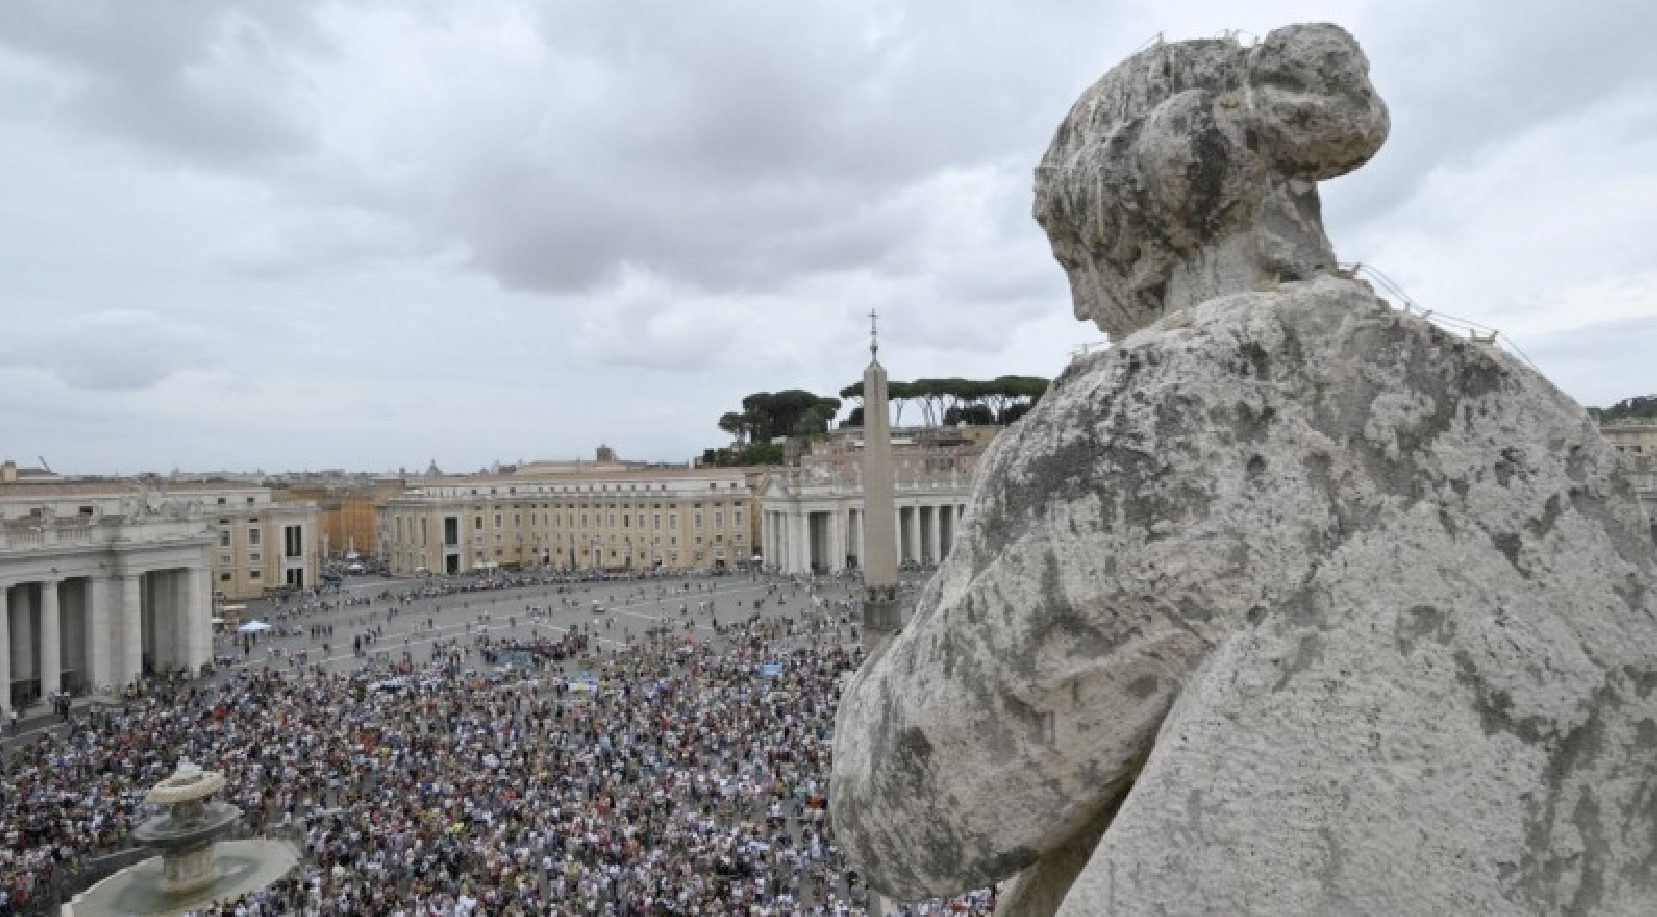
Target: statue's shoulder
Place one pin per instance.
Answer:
(1255, 335)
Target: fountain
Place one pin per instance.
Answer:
(195, 867)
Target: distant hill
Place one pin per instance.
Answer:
(1640, 407)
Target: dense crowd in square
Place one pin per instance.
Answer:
(645, 774)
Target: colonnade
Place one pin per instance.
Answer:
(808, 537)
(83, 633)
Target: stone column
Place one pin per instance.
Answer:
(5, 652)
(129, 627)
(195, 619)
(934, 534)
(24, 664)
(802, 524)
(837, 539)
(911, 533)
(51, 640)
(100, 657)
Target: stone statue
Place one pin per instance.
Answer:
(179, 510)
(1289, 603)
(137, 506)
(1189, 171)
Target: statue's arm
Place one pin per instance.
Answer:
(1022, 697)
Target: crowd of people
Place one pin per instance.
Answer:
(655, 777)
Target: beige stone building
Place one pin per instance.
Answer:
(1632, 437)
(812, 515)
(603, 515)
(261, 543)
(98, 583)
(347, 513)
(1636, 441)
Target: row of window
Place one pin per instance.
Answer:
(500, 538)
(567, 488)
(451, 535)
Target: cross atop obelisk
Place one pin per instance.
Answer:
(880, 547)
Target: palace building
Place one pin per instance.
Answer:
(603, 515)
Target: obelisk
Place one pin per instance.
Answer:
(880, 518)
(880, 550)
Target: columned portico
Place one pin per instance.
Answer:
(85, 597)
(823, 529)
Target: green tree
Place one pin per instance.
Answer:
(954, 399)
(1639, 407)
(793, 412)
(734, 423)
(976, 414)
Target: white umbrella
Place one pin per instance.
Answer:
(252, 627)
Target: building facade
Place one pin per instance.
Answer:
(96, 588)
(261, 544)
(1636, 442)
(347, 513)
(812, 516)
(257, 543)
(590, 516)
(1632, 437)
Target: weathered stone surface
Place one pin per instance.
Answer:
(1289, 603)
(1189, 170)
(1340, 614)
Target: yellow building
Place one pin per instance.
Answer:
(583, 516)
(347, 514)
(260, 544)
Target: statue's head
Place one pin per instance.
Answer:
(1189, 171)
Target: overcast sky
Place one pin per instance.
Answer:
(295, 234)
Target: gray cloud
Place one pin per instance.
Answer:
(612, 217)
(1595, 363)
(113, 351)
(178, 77)
(1465, 79)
